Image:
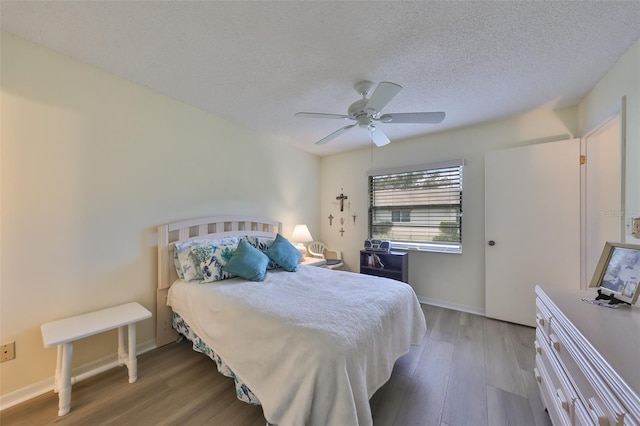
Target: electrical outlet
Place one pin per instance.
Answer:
(8, 352)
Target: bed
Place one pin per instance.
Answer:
(310, 346)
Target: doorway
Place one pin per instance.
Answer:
(602, 200)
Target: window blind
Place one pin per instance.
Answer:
(419, 207)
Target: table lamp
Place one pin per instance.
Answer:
(301, 235)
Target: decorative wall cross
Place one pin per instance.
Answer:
(341, 198)
(341, 232)
(330, 219)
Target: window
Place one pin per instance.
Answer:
(418, 208)
(401, 216)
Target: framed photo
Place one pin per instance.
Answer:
(618, 272)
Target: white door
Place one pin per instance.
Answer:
(532, 225)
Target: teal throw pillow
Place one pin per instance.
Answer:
(247, 262)
(284, 254)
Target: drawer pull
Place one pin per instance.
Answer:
(555, 342)
(562, 399)
(537, 346)
(540, 319)
(603, 420)
(536, 373)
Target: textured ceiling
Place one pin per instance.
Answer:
(257, 63)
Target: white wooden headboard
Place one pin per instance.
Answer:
(206, 227)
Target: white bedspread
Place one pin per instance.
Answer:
(313, 345)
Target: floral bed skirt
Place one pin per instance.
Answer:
(242, 391)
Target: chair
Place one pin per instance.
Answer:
(320, 251)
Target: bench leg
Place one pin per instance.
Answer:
(122, 350)
(57, 378)
(64, 384)
(132, 364)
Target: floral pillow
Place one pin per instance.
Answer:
(194, 255)
(176, 263)
(261, 243)
(212, 261)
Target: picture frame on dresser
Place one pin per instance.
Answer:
(617, 274)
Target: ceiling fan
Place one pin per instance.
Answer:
(366, 113)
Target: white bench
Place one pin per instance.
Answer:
(64, 332)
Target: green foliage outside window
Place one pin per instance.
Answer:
(449, 231)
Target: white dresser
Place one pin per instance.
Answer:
(587, 359)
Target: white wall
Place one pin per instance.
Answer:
(91, 164)
(456, 280)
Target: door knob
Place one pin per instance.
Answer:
(492, 243)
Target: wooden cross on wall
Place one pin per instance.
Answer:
(341, 198)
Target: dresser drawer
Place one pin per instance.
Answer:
(582, 416)
(599, 401)
(541, 342)
(543, 316)
(553, 402)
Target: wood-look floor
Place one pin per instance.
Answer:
(469, 370)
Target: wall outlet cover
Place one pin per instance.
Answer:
(8, 352)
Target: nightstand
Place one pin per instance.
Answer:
(313, 261)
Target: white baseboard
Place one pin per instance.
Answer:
(44, 386)
(450, 305)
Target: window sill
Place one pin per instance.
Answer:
(433, 248)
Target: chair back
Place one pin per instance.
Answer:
(316, 249)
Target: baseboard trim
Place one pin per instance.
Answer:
(79, 373)
(450, 305)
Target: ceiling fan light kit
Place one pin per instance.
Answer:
(367, 111)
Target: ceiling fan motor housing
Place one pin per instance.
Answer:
(364, 121)
(357, 111)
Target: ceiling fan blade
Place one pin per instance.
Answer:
(334, 134)
(382, 96)
(413, 117)
(378, 137)
(322, 115)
